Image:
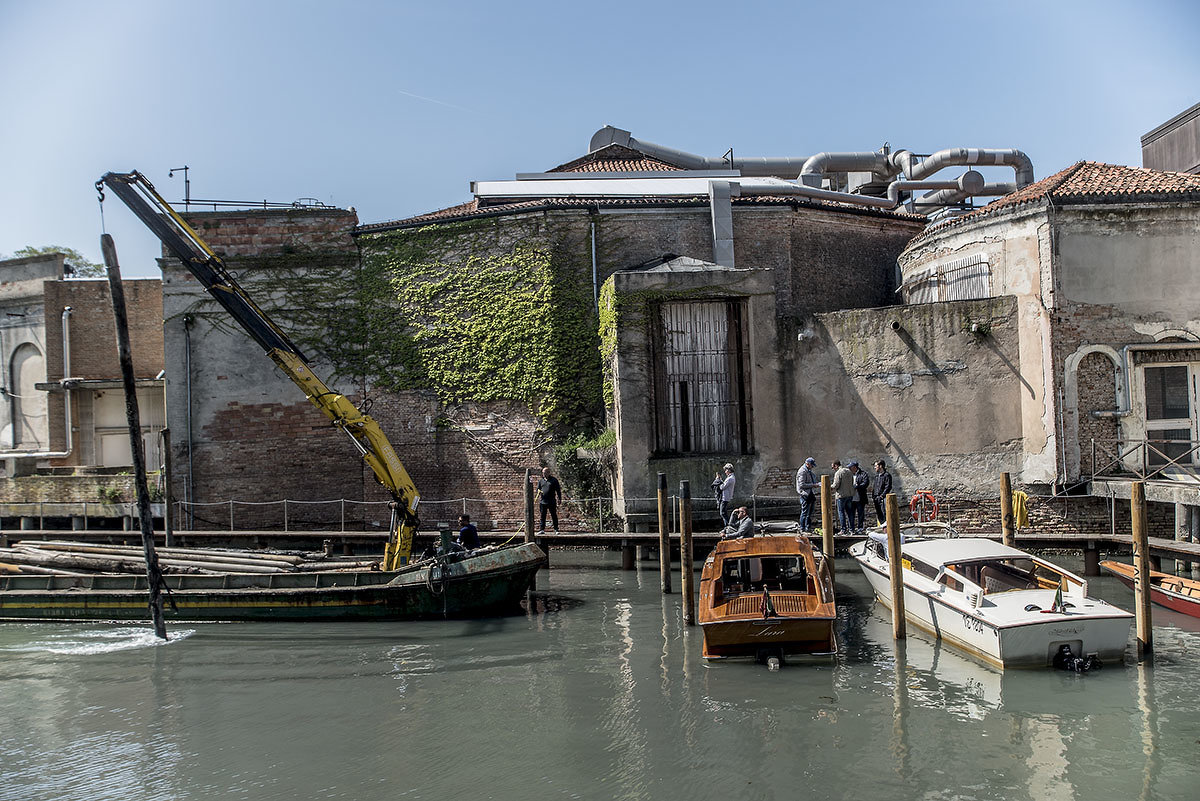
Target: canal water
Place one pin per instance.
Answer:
(599, 692)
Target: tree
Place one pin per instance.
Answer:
(76, 264)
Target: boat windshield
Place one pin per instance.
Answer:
(752, 574)
(1005, 575)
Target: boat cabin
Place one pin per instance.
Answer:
(965, 564)
(751, 574)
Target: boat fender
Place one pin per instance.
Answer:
(923, 506)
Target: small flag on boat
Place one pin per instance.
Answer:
(1058, 601)
(767, 607)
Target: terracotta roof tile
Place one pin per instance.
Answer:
(615, 158)
(1092, 182)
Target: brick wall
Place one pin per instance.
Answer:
(1097, 392)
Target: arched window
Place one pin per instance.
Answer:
(30, 423)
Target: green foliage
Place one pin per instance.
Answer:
(75, 260)
(112, 494)
(608, 338)
(587, 476)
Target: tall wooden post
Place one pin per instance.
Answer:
(687, 577)
(1007, 534)
(136, 445)
(664, 535)
(529, 516)
(168, 488)
(827, 544)
(895, 568)
(1141, 563)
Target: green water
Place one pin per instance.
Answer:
(598, 693)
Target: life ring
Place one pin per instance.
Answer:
(924, 506)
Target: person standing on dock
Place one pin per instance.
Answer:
(725, 499)
(862, 483)
(806, 486)
(549, 494)
(842, 486)
(468, 535)
(880, 487)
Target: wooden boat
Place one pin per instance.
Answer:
(1173, 592)
(1003, 605)
(480, 583)
(767, 597)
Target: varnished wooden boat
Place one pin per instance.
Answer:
(767, 597)
(1173, 592)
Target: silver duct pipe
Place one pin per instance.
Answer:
(755, 167)
(816, 167)
(905, 162)
(948, 197)
(66, 383)
(819, 194)
(969, 183)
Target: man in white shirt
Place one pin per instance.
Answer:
(726, 484)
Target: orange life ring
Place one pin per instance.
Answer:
(923, 507)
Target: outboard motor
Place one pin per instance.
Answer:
(1065, 659)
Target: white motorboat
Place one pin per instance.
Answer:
(1005, 606)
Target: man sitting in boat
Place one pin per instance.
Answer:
(741, 525)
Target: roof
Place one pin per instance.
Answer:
(938, 552)
(1091, 182)
(615, 158)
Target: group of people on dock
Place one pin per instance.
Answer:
(850, 485)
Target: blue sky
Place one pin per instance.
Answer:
(394, 107)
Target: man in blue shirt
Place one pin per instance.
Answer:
(468, 535)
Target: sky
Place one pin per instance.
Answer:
(393, 108)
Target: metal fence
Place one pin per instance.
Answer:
(1145, 459)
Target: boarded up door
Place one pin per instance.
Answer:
(701, 401)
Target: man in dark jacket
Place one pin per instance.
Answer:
(468, 535)
(549, 494)
(880, 487)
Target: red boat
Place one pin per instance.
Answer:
(767, 597)
(1173, 592)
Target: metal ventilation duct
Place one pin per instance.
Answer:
(756, 167)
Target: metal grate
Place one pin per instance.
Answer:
(701, 378)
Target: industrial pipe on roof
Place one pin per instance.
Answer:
(903, 161)
(816, 167)
(967, 184)
(758, 166)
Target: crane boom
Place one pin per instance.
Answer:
(365, 433)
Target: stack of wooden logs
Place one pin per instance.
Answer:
(77, 559)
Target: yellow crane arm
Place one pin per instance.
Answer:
(144, 201)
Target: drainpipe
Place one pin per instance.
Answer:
(66, 383)
(595, 274)
(187, 366)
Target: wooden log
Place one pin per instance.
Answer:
(136, 444)
(687, 574)
(37, 570)
(895, 567)
(827, 541)
(132, 563)
(664, 536)
(1007, 533)
(197, 554)
(1141, 562)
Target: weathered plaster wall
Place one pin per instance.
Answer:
(931, 398)
(24, 413)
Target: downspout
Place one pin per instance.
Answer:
(187, 366)
(595, 274)
(66, 383)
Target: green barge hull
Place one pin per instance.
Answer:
(485, 583)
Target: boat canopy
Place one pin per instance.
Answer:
(941, 552)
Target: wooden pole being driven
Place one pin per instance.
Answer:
(687, 577)
(895, 567)
(827, 522)
(529, 516)
(1141, 563)
(664, 535)
(1007, 533)
(136, 445)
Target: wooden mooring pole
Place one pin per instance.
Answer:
(664, 536)
(529, 516)
(895, 568)
(1141, 563)
(1007, 534)
(687, 576)
(136, 444)
(827, 522)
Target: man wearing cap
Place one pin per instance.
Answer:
(806, 486)
(725, 487)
